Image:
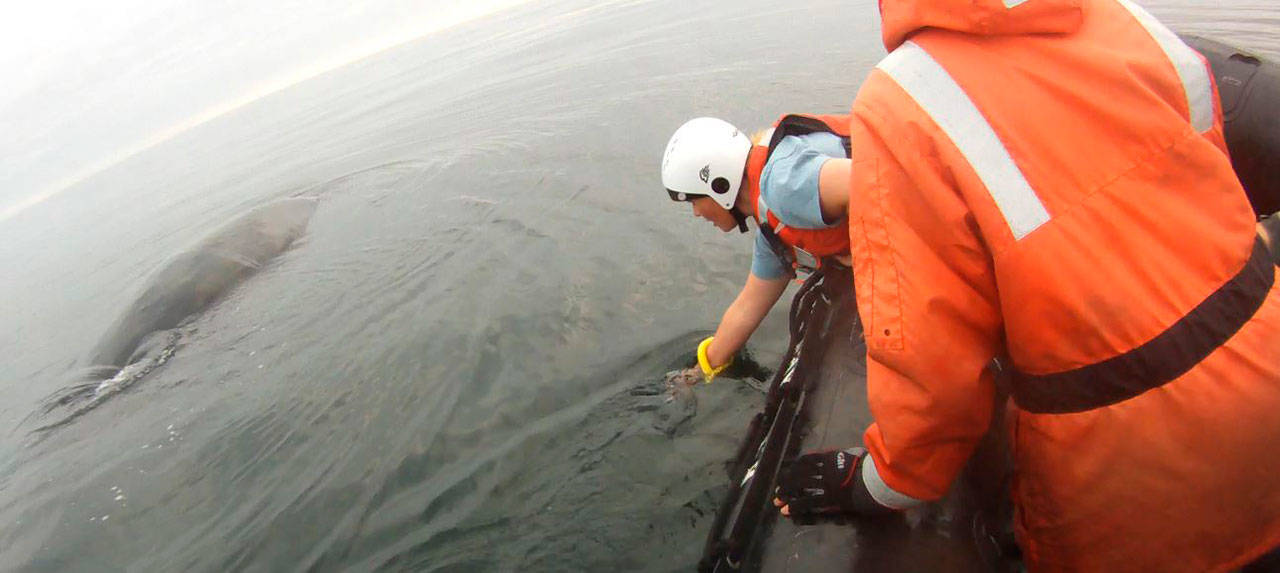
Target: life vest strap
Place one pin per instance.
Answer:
(790, 256)
(1159, 361)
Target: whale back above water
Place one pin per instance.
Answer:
(189, 282)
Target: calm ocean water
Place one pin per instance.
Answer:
(459, 366)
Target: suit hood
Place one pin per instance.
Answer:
(902, 18)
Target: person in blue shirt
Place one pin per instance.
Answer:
(793, 180)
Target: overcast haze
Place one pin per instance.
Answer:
(87, 84)
(90, 83)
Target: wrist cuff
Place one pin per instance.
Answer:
(862, 501)
(709, 372)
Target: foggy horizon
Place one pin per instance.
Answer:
(90, 85)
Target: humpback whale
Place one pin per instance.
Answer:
(191, 281)
(142, 338)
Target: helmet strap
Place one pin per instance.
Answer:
(740, 218)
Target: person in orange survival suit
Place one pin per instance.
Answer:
(1046, 182)
(793, 180)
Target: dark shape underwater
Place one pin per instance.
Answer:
(141, 338)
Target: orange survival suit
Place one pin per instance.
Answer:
(1046, 182)
(801, 248)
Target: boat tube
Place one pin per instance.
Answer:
(1249, 90)
(816, 401)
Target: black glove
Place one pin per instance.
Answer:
(827, 483)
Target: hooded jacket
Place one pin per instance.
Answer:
(1045, 182)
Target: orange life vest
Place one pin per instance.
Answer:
(1046, 181)
(804, 249)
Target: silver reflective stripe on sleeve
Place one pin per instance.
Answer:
(880, 491)
(1013, 3)
(1192, 71)
(941, 97)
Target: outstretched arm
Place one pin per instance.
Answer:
(743, 316)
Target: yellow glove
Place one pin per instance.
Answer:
(708, 371)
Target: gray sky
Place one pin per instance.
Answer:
(87, 83)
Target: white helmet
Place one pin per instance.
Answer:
(705, 157)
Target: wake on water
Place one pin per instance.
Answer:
(79, 399)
